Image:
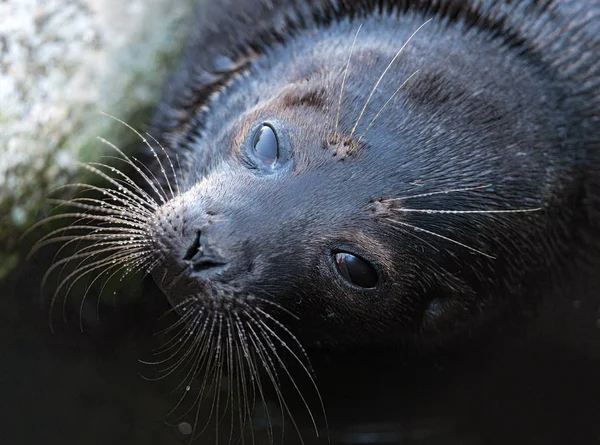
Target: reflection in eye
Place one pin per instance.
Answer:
(355, 270)
(265, 146)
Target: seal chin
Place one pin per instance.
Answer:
(185, 291)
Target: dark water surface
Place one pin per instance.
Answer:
(86, 388)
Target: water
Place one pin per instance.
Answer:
(86, 388)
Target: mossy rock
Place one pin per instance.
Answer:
(62, 63)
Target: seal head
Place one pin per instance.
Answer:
(403, 183)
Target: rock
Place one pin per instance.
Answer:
(62, 62)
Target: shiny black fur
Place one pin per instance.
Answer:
(505, 103)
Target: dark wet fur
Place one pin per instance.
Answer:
(470, 178)
(528, 139)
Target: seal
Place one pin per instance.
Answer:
(337, 173)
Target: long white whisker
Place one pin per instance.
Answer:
(145, 141)
(429, 232)
(383, 75)
(385, 105)
(161, 196)
(439, 192)
(175, 178)
(460, 212)
(337, 117)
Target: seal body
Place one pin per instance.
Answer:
(446, 152)
(343, 173)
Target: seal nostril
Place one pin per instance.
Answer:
(194, 248)
(198, 258)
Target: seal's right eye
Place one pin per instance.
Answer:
(355, 270)
(265, 146)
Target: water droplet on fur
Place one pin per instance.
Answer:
(185, 428)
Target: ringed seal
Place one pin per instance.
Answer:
(332, 173)
(412, 177)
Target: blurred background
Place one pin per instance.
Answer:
(62, 63)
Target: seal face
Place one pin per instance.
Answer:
(407, 180)
(341, 173)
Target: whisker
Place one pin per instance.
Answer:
(304, 366)
(243, 409)
(180, 170)
(439, 192)
(90, 285)
(97, 205)
(286, 330)
(145, 141)
(112, 261)
(198, 346)
(337, 117)
(383, 107)
(276, 305)
(85, 251)
(410, 233)
(429, 232)
(267, 366)
(122, 191)
(134, 210)
(115, 259)
(176, 179)
(185, 302)
(103, 218)
(143, 197)
(107, 215)
(213, 385)
(230, 382)
(76, 256)
(187, 334)
(182, 325)
(194, 354)
(82, 216)
(254, 375)
(161, 196)
(459, 212)
(96, 233)
(383, 75)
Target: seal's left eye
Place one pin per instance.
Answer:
(265, 146)
(356, 270)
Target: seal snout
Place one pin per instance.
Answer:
(200, 257)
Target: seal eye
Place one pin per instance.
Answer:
(265, 146)
(355, 270)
